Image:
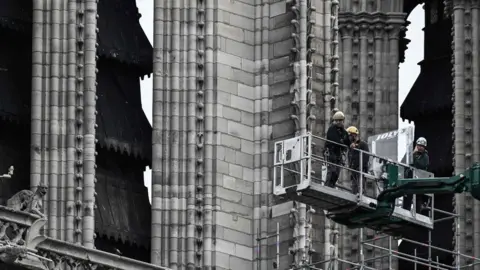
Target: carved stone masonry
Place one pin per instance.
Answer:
(59, 261)
(19, 235)
(294, 59)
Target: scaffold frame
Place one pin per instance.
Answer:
(306, 157)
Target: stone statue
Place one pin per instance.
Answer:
(29, 201)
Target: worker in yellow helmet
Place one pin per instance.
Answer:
(357, 146)
(335, 148)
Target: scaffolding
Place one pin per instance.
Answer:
(294, 175)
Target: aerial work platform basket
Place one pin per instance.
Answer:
(296, 163)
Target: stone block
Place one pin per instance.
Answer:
(231, 113)
(244, 252)
(248, 66)
(239, 48)
(248, 118)
(230, 32)
(282, 48)
(226, 85)
(230, 141)
(281, 102)
(282, 75)
(246, 91)
(247, 200)
(237, 7)
(283, 129)
(234, 222)
(229, 182)
(280, 34)
(240, 264)
(244, 159)
(222, 167)
(229, 59)
(238, 237)
(224, 71)
(249, 37)
(235, 171)
(280, 63)
(281, 209)
(225, 246)
(244, 77)
(230, 195)
(281, 20)
(222, 260)
(230, 155)
(238, 209)
(220, 125)
(280, 89)
(242, 22)
(240, 130)
(241, 103)
(278, 8)
(224, 98)
(248, 174)
(280, 115)
(247, 147)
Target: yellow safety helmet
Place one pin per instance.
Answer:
(352, 130)
(338, 116)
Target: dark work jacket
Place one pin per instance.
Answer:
(421, 160)
(354, 156)
(338, 135)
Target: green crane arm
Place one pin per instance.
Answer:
(396, 187)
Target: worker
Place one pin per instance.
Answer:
(357, 144)
(421, 161)
(335, 147)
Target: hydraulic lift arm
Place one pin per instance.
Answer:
(396, 187)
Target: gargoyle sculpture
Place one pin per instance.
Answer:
(9, 174)
(10, 253)
(29, 201)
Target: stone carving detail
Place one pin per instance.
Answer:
(311, 100)
(59, 261)
(295, 62)
(9, 174)
(334, 53)
(297, 222)
(29, 201)
(19, 233)
(200, 142)
(10, 253)
(294, 222)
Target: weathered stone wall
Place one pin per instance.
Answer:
(234, 107)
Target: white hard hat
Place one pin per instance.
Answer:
(422, 141)
(338, 116)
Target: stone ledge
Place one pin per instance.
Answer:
(93, 256)
(17, 217)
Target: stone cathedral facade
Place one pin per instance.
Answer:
(232, 77)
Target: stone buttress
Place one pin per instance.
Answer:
(63, 119)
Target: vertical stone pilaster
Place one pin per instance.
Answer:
(65, 65)
(369, 86)
(466, 113)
